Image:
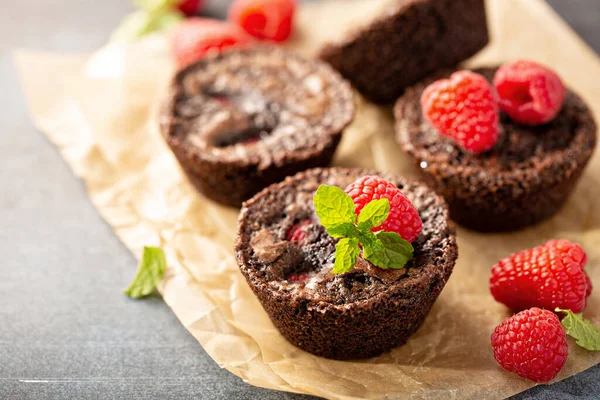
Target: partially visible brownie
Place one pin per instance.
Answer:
(240, 121)
(357, 314)
(407, 42)
(523, 180)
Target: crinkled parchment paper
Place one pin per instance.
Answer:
(98, 110)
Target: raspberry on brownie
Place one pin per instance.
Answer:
(404, 217)
(524, 179)
(242, 120)
(409, 40)
(287, 256)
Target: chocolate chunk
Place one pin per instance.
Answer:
(358, 314)
(525, 179)
(242, 120)
(408, 41)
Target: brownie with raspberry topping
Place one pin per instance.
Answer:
(242, 120)
(286, 257)
(523, 180)
(406, 42)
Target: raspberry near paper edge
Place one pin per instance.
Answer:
(403, 219)
(532, 344)
(530, 93)
(264, 19)
(547, 276)
(190, 7)
(192, 39)
(464, 108)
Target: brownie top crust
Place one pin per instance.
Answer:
(258, 106)
(275, 264)
(522, 149)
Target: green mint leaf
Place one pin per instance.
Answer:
(373, 214)
(333, 206)
(346, 253)
(585, 334)
(393, 251)
(151, 5)
(336, 212)
(132, 27)
(369, 240)
(372, 251)
(165, 20)
(145, 21)
(150, 272)
(342, 230)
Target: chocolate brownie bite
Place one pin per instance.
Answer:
(523, 180)
(286, 257)
(242, 120)
(406, 42)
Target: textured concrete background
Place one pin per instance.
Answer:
(66, 331)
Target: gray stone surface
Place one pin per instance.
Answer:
(66, 331)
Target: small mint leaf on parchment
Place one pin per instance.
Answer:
(166, 21)
(134, 26)
(585, 334)
(150, 272)
(373, 214)
(154, 15)
(394, 252)
(334, 207)
(346, 254)
(152, 5)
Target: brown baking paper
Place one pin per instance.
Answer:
(98, 110)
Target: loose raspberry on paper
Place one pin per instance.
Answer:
(464, 108)
(531, 344)
(530, 93)
(547, 276)
(264, 19)
(190, 7)
(195, 37)
(403, 218)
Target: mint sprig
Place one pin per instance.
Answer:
(585, 334)
(336, 210)
(346, 254)
(153, 15)
(150, 272)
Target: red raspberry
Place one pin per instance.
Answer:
(547, 276)
(529, 92)
(464, 108)
(531, 344)
(195, 37)
(297, 233)
(403, 219)
(264, 19)
(189, 7)
(298, 277)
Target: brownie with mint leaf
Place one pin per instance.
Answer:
(333, 282)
